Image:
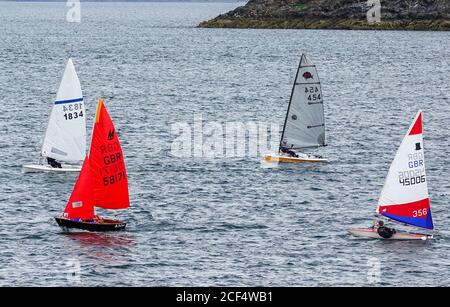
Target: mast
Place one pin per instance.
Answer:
(290, 102)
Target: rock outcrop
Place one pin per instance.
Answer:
(337, 14)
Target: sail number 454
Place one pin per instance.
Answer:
(313, 93)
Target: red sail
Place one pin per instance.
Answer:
(107, 164)
(81, 202)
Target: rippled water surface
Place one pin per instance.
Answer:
(225, 221)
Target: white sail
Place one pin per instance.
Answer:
(404, 197)
(65, 138)
(304, 126)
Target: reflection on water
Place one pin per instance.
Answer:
(107, 247)
(101, 239)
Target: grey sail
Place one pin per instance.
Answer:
(304, 126)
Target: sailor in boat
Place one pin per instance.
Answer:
(95, 220)
(384, 231)
(293, 154)
(53, 163)
(289, 152)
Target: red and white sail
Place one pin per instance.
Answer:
(81, 202)
(404, 197)
(108, 169)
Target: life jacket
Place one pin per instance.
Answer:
(385, 232)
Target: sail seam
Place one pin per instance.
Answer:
(315, 126)
(307, 83)
(69, 101)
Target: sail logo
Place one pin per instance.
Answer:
(111, 134)
(307, 75)
(74, 13)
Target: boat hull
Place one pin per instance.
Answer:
(373, 234)
(107, 225)
(32, 168)
(286, 159)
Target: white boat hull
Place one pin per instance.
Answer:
(288, 159)
(373, 234)
(65, 168)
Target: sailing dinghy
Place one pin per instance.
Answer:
(304, 126)
(65, 139)
(404, 198)
(102, 181)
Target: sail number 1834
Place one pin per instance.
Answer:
(73, 111)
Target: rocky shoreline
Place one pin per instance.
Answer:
(336, 14)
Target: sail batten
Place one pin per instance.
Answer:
(65, 137)
(404, 197)
(69, 101)
(305, 111)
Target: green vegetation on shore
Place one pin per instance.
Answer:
(336, 14)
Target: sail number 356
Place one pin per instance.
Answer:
(420, 212)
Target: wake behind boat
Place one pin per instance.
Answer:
(404, 198)
(304, 126)
(102, 181)
(64, 145)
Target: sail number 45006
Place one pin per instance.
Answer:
(412, 177)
